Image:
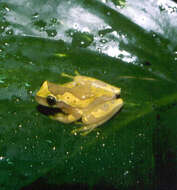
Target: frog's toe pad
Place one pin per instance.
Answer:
(82, 131)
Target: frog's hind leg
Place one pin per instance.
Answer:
(86, 129)
(91, 121)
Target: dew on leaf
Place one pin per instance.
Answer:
(40, 24)
(2, 157)
(9, 161)
(2, 28)
(126, 172)
(35, 15)
(51, 33)
(54, 148)
(9, 32)
(82, 39)
(70, 32)
(27, 85)
(103, 41)
(154, 35)
(103, 32)
(53, 20)
(6, 44)
(75, 26)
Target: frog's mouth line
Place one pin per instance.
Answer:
(48, 110)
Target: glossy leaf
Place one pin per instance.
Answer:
(129, 44)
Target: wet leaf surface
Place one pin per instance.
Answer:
(129, 44)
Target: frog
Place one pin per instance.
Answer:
(84, 100)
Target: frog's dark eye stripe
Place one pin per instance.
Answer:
(117, 96)
(51, 100)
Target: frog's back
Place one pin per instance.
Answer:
(96, 84)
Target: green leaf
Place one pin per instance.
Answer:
(129, 44)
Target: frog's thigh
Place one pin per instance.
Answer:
(92, 121)
(102, 112)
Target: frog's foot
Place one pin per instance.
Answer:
(84, 130)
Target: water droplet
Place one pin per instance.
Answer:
(108, 13)
(53, 20)
(54, 148)
(9, 32)
(27, 85)
(71, 33)
(35, 15)
(99, 50)
(103, 145)
(2, 157)
(20, 126)
(6, 44)
(75, 26)
(75, 133)
(17, 99)
(7, 9)
(31, 63)
(132, 153)
(126, 172)
(9, 161)
(103, 41)
(83, 39)
(40, 24)
(2, 28)
(97, 134)
(51, 33)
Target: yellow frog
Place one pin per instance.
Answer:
(87, 99)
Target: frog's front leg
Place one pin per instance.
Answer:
(70, 76)
(65, 118)
(99, 115)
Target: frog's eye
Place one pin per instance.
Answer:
(51, 100)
